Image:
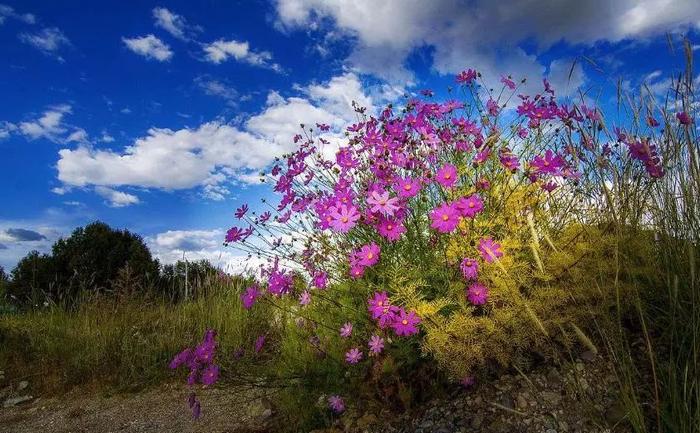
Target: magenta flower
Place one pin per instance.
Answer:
(508, 82)
(444, 218)
(336, 403)
(489, 249)
(470, 206)
(367, 255)
(653, 123)
(205, 352)
(477, 294)
(353, 356)
(551, 163)
(466, 77)
(234, 234)
(196, 409)
(346, 330)
(305, 298)
(250, 296)
(377, 304)
(241, 211)
(684, 118)
(259, 343)
(446, 175)
(376, 344)
(405, 323)
(390, 229)
(492, 107)
(210, 375)
(344, 218)
(469, 268)
(186, 357)
(320, 280)
(357, 272)
(407, 187)
(380, 202)
(468, 381)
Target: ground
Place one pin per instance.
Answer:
(573, 397)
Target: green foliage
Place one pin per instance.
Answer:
(86, 262)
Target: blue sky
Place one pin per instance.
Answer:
(156, 116)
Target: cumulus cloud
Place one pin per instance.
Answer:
(49, 41)
(50, 126)
(171, 22)
(9, 12)
(6, 128)
(482, 34)
(218, 88)
(222, 50)
(116, 198)
(149, 47)
(215, 153)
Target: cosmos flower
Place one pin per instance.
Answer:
(346, 330)
(405, 323)
(653, 123)
(470, 206)
(492, 107)
(377, 303)
(353, 356)
(468, 381)
(466, 77)
(390, 229)
(210, 375)
(183, 358)
(234, 234)
(336, 403)
(259, 343)
(250, 296)
(304, 298)
(508, 82)
(380, 202)
(550, 163)
(477, 294)
(469, 268)
(344, 218)
(376, 344)
(444, 218)
(489, 249)
(446, 175)
(367, 255)
(241, 211)
(407, 187)
(320, 280)
(684, 118)
(357, 272)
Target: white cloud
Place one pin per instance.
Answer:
(149, 47)
(49, 41)
(8, 11)
(480, 34)
(221, 89)
(172, 23)
(6, 128)
(221, 50)
(78, 136)
(172, 245)
(214, 154)
(49, 125)
(116, 198)
(106, 138)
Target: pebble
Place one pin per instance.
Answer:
(22, 385)
(14, 401)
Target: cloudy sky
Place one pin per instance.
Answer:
(157, 116)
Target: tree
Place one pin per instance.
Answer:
(3, 285)
(88, 261)
(186, 278)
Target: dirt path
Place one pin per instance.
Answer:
(159, 410)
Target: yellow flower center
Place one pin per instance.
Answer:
(471, 204)
(447, 176)
(370, 255)
(407, 187)
(404, 322)
(344, 219)
(445, 217)
(390, 227)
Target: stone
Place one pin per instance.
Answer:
(588, 356)
(550, 430)
(477, 421)
(506, 401)
(553, 398)
(11, 402)
(553, 377)
(521, 402)
(267, 413)
(22, 385)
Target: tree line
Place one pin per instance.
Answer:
(97, 260)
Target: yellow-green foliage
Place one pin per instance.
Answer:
(528, 308)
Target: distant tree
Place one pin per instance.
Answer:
(3, 285)
(88, 261)
(191, 278)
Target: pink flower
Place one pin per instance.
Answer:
(407, 187)
(210, 375)
(346, 330)
(477, 294)
(551, 163)
(492, 107)
(380, 202)
(336, 403)
(377, 304)
(684, 118)
(376, 344)
(446, 175)
(259, 343)
(344, 218)
(390, 229)
(241, 211)
(468, 381)
(250, 296)
(367, 255)
(466, 77)
(469, 268)
(470, 206)
(320, 280)
(357, 272)
(305, 298)
(508, 82)
(405, 323)
(444, 218)
(353, 356)
(489, 249)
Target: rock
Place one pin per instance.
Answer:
(426, 424)
(588, 356)
(550, 430)
(477, 421)
(506, 401)
(11, 402)
(553, 377)
(22, 385)
(553, 398)
(267, 413)
(521, 402)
